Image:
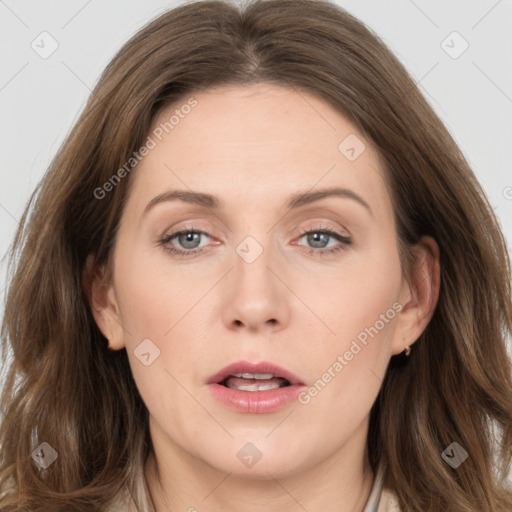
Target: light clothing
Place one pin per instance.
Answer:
(381, 499)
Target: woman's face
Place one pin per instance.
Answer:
(275, 268)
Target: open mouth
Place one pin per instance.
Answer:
(255, 388)
(254, 382)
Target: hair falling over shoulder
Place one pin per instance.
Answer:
(65, 388)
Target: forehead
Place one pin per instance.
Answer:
(256, 141)
(260, 120)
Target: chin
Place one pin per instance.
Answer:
(250, 464)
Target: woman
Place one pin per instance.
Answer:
(259, 275)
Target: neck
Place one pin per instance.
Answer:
(179, 481)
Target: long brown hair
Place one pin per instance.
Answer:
(64, 387)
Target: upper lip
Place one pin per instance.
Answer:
(248, 367)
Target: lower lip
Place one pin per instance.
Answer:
(256, 402)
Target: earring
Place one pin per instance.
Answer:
(407, 351)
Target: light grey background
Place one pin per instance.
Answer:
(40, 98)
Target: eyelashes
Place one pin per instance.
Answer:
(315, 236)
(310, 234)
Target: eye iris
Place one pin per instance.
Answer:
(189, 238)
(314, 238)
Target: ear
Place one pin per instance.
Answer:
(419, 297)
(103, 302)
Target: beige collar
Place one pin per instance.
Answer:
(381, 499)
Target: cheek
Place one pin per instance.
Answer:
(159, 314)
(353, 299)
(154, 296)
(159, 307)
(360, 307)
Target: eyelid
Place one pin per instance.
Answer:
(322, 226)
(196, 226)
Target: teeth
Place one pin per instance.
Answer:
(259, 376)
(254, 387)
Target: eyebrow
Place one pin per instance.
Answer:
(295, 201)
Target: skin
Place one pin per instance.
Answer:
(253, 147)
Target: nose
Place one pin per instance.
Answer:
(256, 297)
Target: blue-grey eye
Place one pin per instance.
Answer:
(190, 240)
